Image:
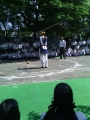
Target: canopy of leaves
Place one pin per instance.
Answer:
(69, 14)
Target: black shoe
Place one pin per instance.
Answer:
(42, 67)
(46, 67)
(64, 58)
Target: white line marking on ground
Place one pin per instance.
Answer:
(11, 77)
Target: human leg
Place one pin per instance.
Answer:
(42, 59)
(61, 52)
(46, 60)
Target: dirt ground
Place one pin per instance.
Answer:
(19, 72)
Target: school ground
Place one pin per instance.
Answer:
(32, 86)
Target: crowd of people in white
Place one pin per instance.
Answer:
(23, 50)
(79, 48)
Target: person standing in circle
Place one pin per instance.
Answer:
(43, 51)
(62, 46)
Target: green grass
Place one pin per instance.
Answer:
(34, 98)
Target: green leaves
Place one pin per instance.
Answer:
(70, 14)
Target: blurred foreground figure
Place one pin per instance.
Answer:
(62, 106)
(9, 110)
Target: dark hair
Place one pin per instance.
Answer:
(9, 110)
(62, 103)
(42, 33)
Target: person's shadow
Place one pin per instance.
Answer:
(33, 116)
(28, 68)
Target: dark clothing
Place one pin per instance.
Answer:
(62, 52)
(62, 46)
(43, 45)
(63, 117)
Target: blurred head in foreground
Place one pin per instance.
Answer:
(62, 103)
(9, 110)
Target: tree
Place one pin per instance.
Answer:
(38, 15)
(70, 13)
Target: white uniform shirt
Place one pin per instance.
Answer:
(88, 41)
(84, 42)
(69, 50)
(87, 49)
(74, 43)
(80, 42)
(62, 43)
(77, 46)
(5, 46)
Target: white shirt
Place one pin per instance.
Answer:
(35, 45)
(69, 50)
(5, 46)
(74, 43)
(62, 43)
(87, 49)
(88, 41)
(84, 42)
(81, 51)
(77, 47)
(80, 42)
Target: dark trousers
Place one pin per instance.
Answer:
(62, 52)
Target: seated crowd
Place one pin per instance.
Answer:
(79, 48)
(62, 107)
(17, 51)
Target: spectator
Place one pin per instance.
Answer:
(77, 46)
(80, 43)
(73, 44)
(88, 42)
(62, 106)
(87, 50)
(20, 46)
(53, 47)
(68, 51)
(81, 51)
(9, 110)
(83, 42)
(35, 46)
(10, 46)
(62, 46)
(5, 47)
(74, 52)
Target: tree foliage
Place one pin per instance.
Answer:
(72, 16)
